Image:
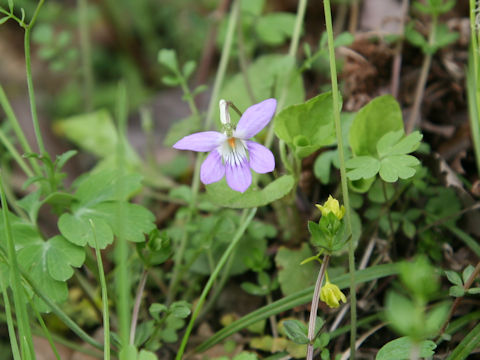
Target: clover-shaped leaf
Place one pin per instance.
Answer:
(398, 166)
(49, 262)
(362, 167)
(101, 211)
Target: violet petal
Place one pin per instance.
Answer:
(202, 141)
(255, 118)
(212, 169)
(261, 158)
(239, 177)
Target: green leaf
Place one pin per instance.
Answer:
(146, 355)
(456, 291)
(254, 289)
(378, 117)
(398, 166)
(171, 80)
(322, 165)
(454, 278)
(467, 272)
(180, 309)
(362, 167)
(307, 127)
(401, 349)
(94, 132)
(168, 58)
(267, 76)
(390, 143)
(296, 331)
(415, 38)
(473, 291)
(101, 198)
(48, 262)
(182, 128)
(275, 28)
(292, 276)
(156, 309)
(444, 37)
(220, 194)
(399, 312)
(435, 318)
(188, 69)
(10, 5)
(4, 19)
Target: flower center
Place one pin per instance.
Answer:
(231, 142)
(233, 151)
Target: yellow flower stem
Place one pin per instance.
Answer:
(314, 307)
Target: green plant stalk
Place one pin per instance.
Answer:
(343, 176)
(31, 91)
(10, 325)
(103, 285)
(86, 54)
(473, 85)
(136, 306)
(297, 30)
(123, 280)
(314, 307)
(46, 333)
(213, 277)
(24, 334)
(208, 122)
(17, 129)
(222, 66)
(11, 149)
(419, 91)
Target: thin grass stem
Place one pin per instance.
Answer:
(226, 255)
(343, 175)
(10, 325)
(46, 333)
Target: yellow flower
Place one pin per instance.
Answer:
(331, 295)
(332, 205)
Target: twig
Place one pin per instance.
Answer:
(314, 307)
(397, 60)
(136, 306)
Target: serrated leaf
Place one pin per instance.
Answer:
(308, 126)
(378, 117)
(362, 167)
(453, 277)
(392, 143)
(296, 331)
(401, 349)
(398, 166)
(49, 262)
(220, 194)
(101, 198)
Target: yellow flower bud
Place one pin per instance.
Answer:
(331, 295)
(332, 206)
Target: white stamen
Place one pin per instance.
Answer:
(233, 155)
(224, 115)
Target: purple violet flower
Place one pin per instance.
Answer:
(231, 153)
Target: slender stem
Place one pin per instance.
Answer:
(343, 175)
(85, 47)
(45, 330)
(389, 216)
(272, 318)
(10, 325)
(314, 307)
(222, 66)
(31, 91)
(415, 351)
(103, 286)
(474, 115)
(17, 129)
(136, 306)
(419, 92)
(123, 279)
(11, 149)
(25, 336)
(228, 252)
(208, 122)
(297, 30)
(352, 27)
(397, 60)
